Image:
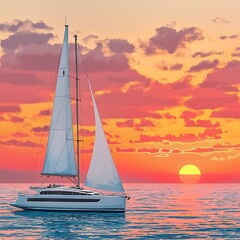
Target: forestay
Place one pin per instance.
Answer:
(102, 173)
(59, 158)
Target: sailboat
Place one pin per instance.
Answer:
(105, 192)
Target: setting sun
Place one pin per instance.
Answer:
(189, 174)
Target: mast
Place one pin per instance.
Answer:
(78, 165)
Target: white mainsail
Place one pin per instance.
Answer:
(102, 173)
(60, 160)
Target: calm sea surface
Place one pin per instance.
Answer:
(155, 211)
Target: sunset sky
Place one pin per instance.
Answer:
(166, 77)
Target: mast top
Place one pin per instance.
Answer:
(66, 25)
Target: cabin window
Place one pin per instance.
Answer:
(61, 200)
(61, 193)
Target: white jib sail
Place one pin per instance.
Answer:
(102, 173)
(60, 160)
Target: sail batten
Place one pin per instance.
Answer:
(60, 160)
(102, 173)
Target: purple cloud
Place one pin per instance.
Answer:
(97, 62)
(219, 20)
(18, 24)
(224, 37)
(176, 67)
(90, 37)
(25, 38)
(169, 39)
(204, 65)
(120, 46)
(172, 67)
(205, 54)
(236, 53)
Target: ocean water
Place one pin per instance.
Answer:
(155, 211)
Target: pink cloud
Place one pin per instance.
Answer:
(148, 150)
(224, 78)
(165, 150)
(125, 149)
(16, 119)
(145, 138)
(187, 115)
(176, 151)
(10, 94)
(187, 137)
(144, 123)
(211, 133)
(127, 123)
(182, 84)
(20, 134)
(113, 142)
(169, 116)
(18, 78)
(87, 133)
(231, 110)
(9, 109)
(202, 123)
(44, 113)
(20, 143)
(183, 137)
(40, 129)
(225, 113)
(210, 98)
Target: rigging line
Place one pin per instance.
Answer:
(45, 120)
(44, 180)
(72, 181)
(84, 65)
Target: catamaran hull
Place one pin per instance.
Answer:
(98, 203)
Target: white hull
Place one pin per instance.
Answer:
(84, 203)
